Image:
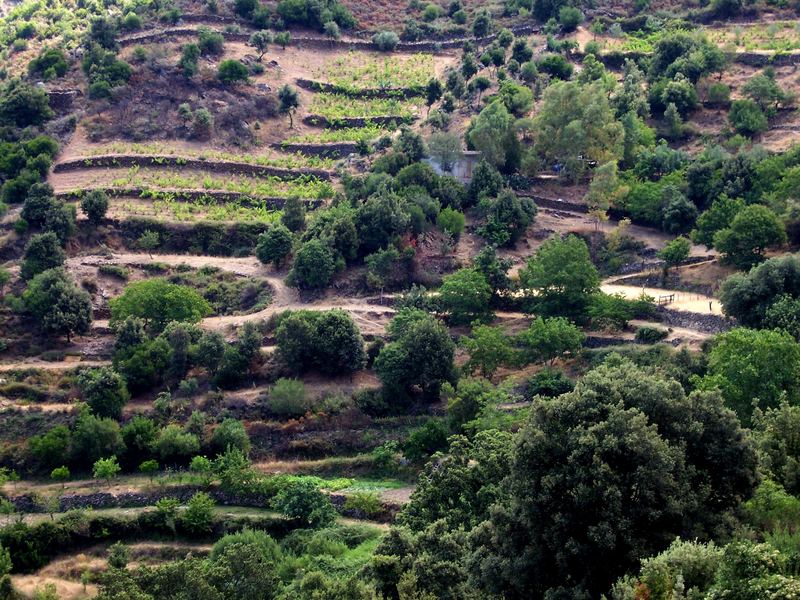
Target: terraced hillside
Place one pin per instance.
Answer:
(347, 299)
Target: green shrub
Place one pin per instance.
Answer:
(364, 503)
(385, 41)
(232, 71)
(288, 398)
(650, 335)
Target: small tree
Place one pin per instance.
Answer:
(149, 241)
(203, 467)
(747, 118)
(754, 229)
(305, 502)
(106, 468)
(42, 252)
(118, 556)
(149, 468)
(188, 60)
(283, 39)
(198, 517)
(261, 40)
(465, 296)
(549, 339)
(451, 221)
(445, 148)
(289, 102)
(673, 254)
(294, 214)
(569, 17)
(274, 244)
(313, 266)
(104, 391)
(489, 348)
(57, 305)
(60, 474)
(95, 205)
(433, 92)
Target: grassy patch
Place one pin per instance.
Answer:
(333, 106)
(358, 71)
(288, 161)
(346, 134)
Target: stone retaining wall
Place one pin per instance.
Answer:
(357, 122)
(30, 504)
(334, 150)
(189, 196)
(323, 43)
(215, 166)
(367, 93)
(709, 323)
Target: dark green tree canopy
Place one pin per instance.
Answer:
(606, 474)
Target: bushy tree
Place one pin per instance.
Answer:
(173, 444)
(492, 134)
(569, 17)
(754, 367)
(232, 71)
(507, 218)
(42, 252)
(465, 296)
(560, 278)
(274, 245)
(230, 434)
(574, 125)
(304, 501)
(548, 339)
(294, 214)
(104, 391)
(419, 357)
(719, 216)
(329, 341)
(489, 349)
(157, 302)
(94, 438)
(313, 266)
(198, 517)
(22, 104)
(379, 220)
(57, 305)
(752, 231)
(649, 445)
(95, 205)
(747, 118)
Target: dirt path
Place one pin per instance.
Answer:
(686, 301)
(52, 366)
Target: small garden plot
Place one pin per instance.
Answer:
(357, 71)
(346, 134)
(333, 106)
(166, 208)
(780, 36)
(305, 186)
(226, 292)
(283, 161)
